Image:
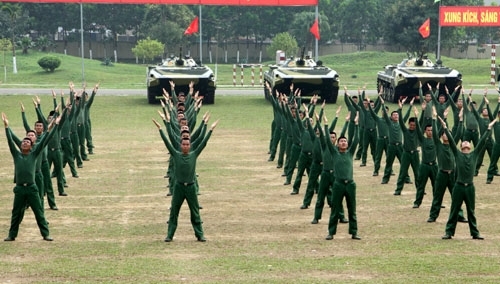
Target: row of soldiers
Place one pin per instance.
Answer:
(55, 141)
(185, 144)
(388, 133)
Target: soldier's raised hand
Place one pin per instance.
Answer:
(214, 125)
(156, 123)
(443, 123)
(338, 111)
(5, 120)
(491, 124)
(446, 111)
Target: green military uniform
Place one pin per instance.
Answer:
(73, 132)
(427, 113)
(295, 127)
(483, 125)
(81, 121)
(26, 191)
(395, 147)
(471, 133)
(316, 166)
(382, 139)
(184, 188)
(88, 123)
(446, 174)
(428, 167)
(495, 155)
(410, 156)
(327, 175)
(344, 186)
(353, 107)
(276, 128)
(305, 158)
(369, 137)
(456, 112)
(464, 190)
(66, 145)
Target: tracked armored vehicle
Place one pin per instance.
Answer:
(402, 80)
(181, 71)
(305, 74)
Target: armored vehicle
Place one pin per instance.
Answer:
(305, 74)
(402, 80)
(181, 71)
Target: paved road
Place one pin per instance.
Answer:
(227, 91)
(125, 92)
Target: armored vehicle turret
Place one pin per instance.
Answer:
(305, 74)
(402, 80)
(181, 71)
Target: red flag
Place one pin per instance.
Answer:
(425, 28)
(193, 27)
(315, 29)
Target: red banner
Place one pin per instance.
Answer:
(466, 16)
(185, 2)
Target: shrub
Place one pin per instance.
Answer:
(49, 63)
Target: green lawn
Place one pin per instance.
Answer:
(355, 70)
(111, 226)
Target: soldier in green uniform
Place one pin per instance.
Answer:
(495, 155)
(307, 138)
(295, 127)
(352, 103)
(66, 144)
(483, 119)
(370, 128)
(26, 191)
(428, 167)
(88, 122)
(328, 171)
(184, 188)
(471, 133)
(410, 155)
(456, 108)
(344, 185)
(316, 163)
(276, 127)
(382, 136)
(464, 189)
(395, 147)
(446, 174)
(429, 100)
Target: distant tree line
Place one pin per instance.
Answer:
(394, 22)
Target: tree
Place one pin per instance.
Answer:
(148, 49)
(43, 43)
(360, 24)
(400, 29)
(166, 23)
(301, 24)
(5, 45)
(285, 42)
(16, 23)
(25, 43)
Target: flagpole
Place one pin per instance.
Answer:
(316, 42)
(81, 43)
(439, 35)
(201, 44)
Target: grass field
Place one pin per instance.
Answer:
(111, 226)
(355, 70)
